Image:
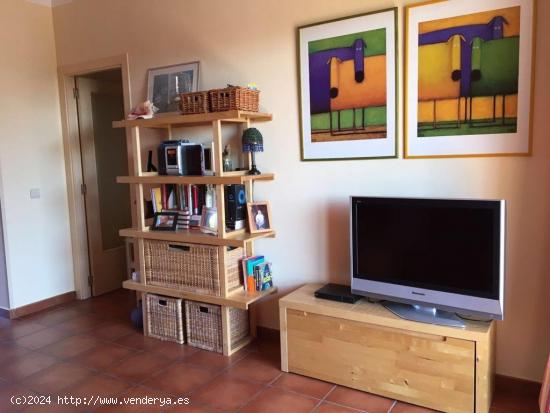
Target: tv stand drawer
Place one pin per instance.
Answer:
(429, 370)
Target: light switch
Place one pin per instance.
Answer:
(35, 193)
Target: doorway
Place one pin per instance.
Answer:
(103, 151)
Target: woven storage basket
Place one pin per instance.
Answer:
(164, 318)
(204, 325)
(194, 102)
(234, 98)
(189, 267)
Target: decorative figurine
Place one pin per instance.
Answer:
(226, 159)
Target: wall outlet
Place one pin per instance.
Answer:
(35, 193)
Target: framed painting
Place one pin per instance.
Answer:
(164, 85)
(468, 78)
(348, 87)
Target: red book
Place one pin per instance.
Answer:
(195, 200)
(164, 197)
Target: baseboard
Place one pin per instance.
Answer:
(527, 388)
(4, 313)
(41, 305)
(268, 333)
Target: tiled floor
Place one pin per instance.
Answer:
(89, 348)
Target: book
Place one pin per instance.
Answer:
(247, 266)
(265, 276)
(156, 199)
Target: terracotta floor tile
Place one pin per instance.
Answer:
(303, 385)
(103, 356)
(41, 338)
(31, 363)
(10, 352)
(10, 397)
(80, 324)
(173, 350)
(135, 392)
(97, 385)
(112, 330)
(71, 346)
(180, 379)
(18, 329)
(4, 322)
(137, 341)
(53, 317)
(274, 400)
(226, 393)
(256, 367)
(55, 378)
(327, 407)
(54, 408)
(192, 408)
(401, 407)
(214, 361)
(139, 367)
(359, 400)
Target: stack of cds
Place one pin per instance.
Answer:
(184, 217)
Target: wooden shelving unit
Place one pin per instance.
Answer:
(140, 231)
(238, 238)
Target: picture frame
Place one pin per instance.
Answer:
(164, 85)
(165, 221)
(259, 217)
(209, 220)
(469, 74)
(348, 77)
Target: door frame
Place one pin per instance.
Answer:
(73, 161)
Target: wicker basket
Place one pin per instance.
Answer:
(195, 102)
(189, 267)
(234, 98)
(164, 318)
(204, 325)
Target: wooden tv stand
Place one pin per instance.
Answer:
(366, 347)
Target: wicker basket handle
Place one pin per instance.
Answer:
(176, 247)
(164, 303)
(203, 309)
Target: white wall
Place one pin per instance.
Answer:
(241, 41)
(37, 238)
(4, 293)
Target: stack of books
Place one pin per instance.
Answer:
(257, 273)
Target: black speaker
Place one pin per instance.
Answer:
(235, 206)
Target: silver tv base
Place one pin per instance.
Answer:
(423, 314)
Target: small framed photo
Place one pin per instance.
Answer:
(165, 221)
(259, 216)
(164, 85)
(209, 220)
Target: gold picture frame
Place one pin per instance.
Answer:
(259, 217)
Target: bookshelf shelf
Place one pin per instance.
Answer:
(199, 180)
(238, 299)
(140, 230)
(232, 239)
(175, 121)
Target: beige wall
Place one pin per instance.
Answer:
(36, 231)
(240, 41)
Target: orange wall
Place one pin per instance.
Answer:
(240, 41)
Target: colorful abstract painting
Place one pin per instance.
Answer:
(347, 70)
(463, 70)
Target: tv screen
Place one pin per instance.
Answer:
(441, 245)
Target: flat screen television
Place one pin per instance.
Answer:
(430, 258)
